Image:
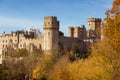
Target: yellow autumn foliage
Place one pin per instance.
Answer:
(41, 70)
(90, 69)
(102, 64)
(60, 70)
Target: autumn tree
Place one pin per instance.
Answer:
(43, 69)
(60, 70)
(116, 7)
(104, 61)
(90, 69)
(109, 47)
(21, 62)
(112, 33)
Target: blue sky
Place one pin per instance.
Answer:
(23, 14)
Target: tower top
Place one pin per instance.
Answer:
(51, 22)
(94, 20)
(51, 18)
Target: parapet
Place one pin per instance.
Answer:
(50, 18)
(70, 27)
(94, 20)
(50, 22)
(82, 26)
(77, 27)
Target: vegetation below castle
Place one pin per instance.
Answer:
(103, 62)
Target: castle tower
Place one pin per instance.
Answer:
(71, 32)
(51, 32)
(77, 32)
(93, 25)
(82, 32)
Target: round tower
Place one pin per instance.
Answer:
(51, 32)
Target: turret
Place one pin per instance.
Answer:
(93, 25)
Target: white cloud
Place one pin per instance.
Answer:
(19, 22)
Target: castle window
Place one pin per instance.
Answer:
(21, 45)
(48, 33)
(10, 40)
(15, 40)
(2, 51)
(15, 45)
(6, 41)
(3, 41)
(3, 46)
(40, 46)
(24, 45)
(20, 40)
(52, 22)
(3, 54)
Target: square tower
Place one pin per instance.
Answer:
(93, 25)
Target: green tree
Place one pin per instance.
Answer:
(74, 53)
(4, 74)
(74, 50)
(18, 53)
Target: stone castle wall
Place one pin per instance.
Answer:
(67, 42)
(77, 35)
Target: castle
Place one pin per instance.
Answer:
(31, 39)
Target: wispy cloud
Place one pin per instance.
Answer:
(107, 4)
(19, 22)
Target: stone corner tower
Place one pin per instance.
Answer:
(93, 25)
(51, 32)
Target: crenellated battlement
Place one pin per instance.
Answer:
(50, 22)
(76, 31)
(76, 27)
(93, 25)
(50, 18)
(94, 20)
